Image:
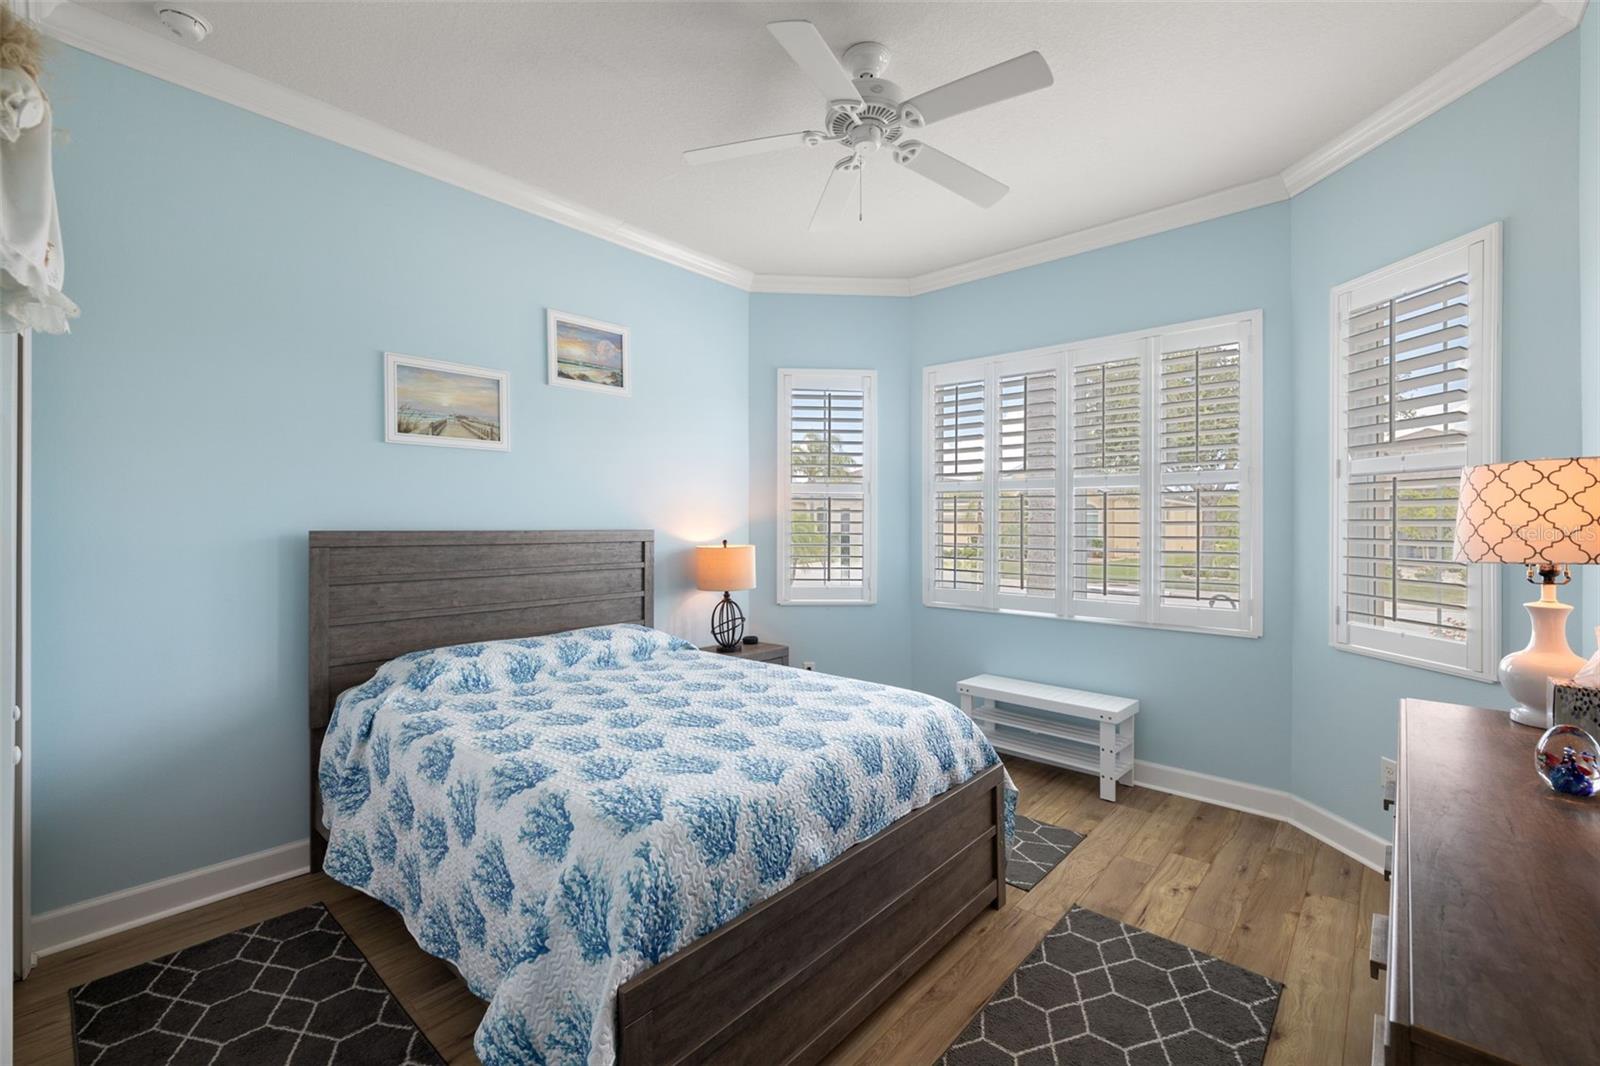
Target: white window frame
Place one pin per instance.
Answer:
(1147, 345)
(867, 382)
(1477, 657)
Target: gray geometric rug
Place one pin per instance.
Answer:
(1096, 992)
(290, 990)
(1035, 851)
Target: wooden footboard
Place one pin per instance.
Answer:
(787, 980)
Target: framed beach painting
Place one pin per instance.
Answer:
(588, 354)
(444, 404)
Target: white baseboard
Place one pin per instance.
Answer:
(1334, 831)
(79, 923)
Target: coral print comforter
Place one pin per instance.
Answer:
(555, 815)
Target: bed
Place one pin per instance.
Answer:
(769, 961)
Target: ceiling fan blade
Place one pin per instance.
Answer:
(950, 172)
(812, 54)
(842, 183)
(1002, 81)
(756, 146)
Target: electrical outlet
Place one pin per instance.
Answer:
(1390, 772)
(808, 665)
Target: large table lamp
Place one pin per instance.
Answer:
(726, 569)
(1543, 514)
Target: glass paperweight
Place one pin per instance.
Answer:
(1567, 760)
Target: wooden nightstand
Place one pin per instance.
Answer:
(763, 652)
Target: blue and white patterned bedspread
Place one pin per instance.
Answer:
(555, 815)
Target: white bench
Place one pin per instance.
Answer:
(1067, 727)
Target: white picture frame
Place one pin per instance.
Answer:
(451, 401)
(588, 375)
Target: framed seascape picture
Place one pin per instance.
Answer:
(445, 404)
(587, 354)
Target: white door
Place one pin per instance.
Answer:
(21, 850)
(10, 478)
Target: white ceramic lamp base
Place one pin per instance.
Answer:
(1523, 674)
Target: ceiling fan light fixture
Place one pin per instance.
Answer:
(867, 113)
(867, 137)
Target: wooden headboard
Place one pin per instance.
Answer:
(378, 595)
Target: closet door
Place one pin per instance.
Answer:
(10, 424)
(22, 685)
(15, 389)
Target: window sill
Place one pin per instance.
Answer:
(1253, 633)
(1418, 664)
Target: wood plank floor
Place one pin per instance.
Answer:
(1255, 892)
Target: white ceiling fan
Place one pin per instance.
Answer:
(866, 113)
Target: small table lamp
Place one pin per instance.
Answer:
(1543, 514)
(730, 568)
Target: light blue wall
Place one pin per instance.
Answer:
(1285, 711)
(1589, 264)
(838, 333)
(1214, 704)
(1507, 151)
(1208, 703)
(222, 395)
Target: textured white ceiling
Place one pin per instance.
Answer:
(1154, 104)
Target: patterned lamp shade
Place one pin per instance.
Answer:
(1543, 512)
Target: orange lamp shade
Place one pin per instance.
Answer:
(1543, 512)
(725, 568)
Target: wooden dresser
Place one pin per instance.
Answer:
(1493, 933)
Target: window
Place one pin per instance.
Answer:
(1113, 480)
(827, 472)
(1415, 366)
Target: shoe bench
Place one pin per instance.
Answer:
(1067, 727)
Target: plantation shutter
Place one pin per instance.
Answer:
(1113, 480)
(1107, 462)
(1406, 372)
(826, 460)
(1025, 541)
(1410, 354)
(959, 552)
(1399, 573)
(1202, 533)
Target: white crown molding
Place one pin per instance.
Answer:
(821, 285)
(1201, 209)
(1541, 25)
(79, 923)
(113, 39)
(122, 43)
